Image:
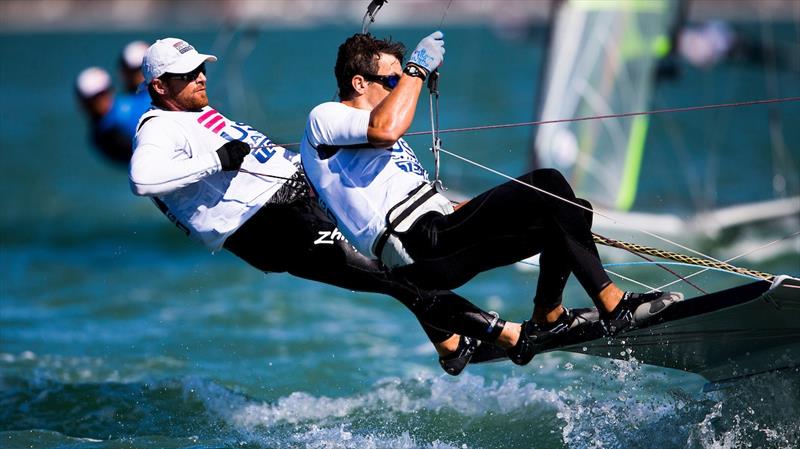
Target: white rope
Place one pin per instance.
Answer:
(625, 278)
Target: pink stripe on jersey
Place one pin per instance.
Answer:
(206, 115)
(219, 127)
(211, 122)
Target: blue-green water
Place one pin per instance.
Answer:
(117, 332)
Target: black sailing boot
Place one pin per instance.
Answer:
(471, 350)
(637, 309)
(456, 361)
(536, 337)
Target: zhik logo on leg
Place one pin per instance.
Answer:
(328, 237)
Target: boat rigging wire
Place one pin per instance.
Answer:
(599, 117)
(629, 247)
(433, 100)
(794, 234)
(620, 115)
(641, 249)
(444, 14)
(436, 142)
(680, 264)
(606, 266)
(631, 280)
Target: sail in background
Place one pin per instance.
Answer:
(602, 59)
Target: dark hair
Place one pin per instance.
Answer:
(358, 55)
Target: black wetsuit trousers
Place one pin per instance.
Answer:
(299, 238)
(505, 225)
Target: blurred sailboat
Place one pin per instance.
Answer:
(605, 58)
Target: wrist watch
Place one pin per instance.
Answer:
(415, 70)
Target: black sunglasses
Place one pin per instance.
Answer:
(387, 81)
(190, 76)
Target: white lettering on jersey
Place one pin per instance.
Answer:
(329, 237)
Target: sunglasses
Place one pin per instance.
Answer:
(190, 76)
(387, 81)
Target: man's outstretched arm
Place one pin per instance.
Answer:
(392, 117)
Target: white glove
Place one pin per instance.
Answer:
(429, 53)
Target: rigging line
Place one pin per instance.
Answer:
(668, 284)
(743, 255)
(747, 253)
(606, 266)
(625, 278)
(679, 264)
(445, 12)
(620, 115)
(599, 117)
(433, 100)
(436, 142)
(627, 247)
(664, 239)
(636, 248)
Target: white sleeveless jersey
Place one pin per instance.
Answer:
(358, 184)
(175, 161)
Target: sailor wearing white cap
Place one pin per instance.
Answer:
(171, 55)
(112, 116)
(171, 64)
(96, 98)
(91, 82)
(130, 65)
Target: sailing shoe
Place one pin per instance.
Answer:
(637, 309)
(488, 352)
(536, 337)
(523, 351)
(456, 361)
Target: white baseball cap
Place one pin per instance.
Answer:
(92, 81)
(171, 55)
(133, 54)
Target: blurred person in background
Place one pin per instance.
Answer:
(113, 115)
(227, 185)
(130, 67)
(711, 43)
(707, 44)
(97, 99)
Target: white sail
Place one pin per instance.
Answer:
(603, 57)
